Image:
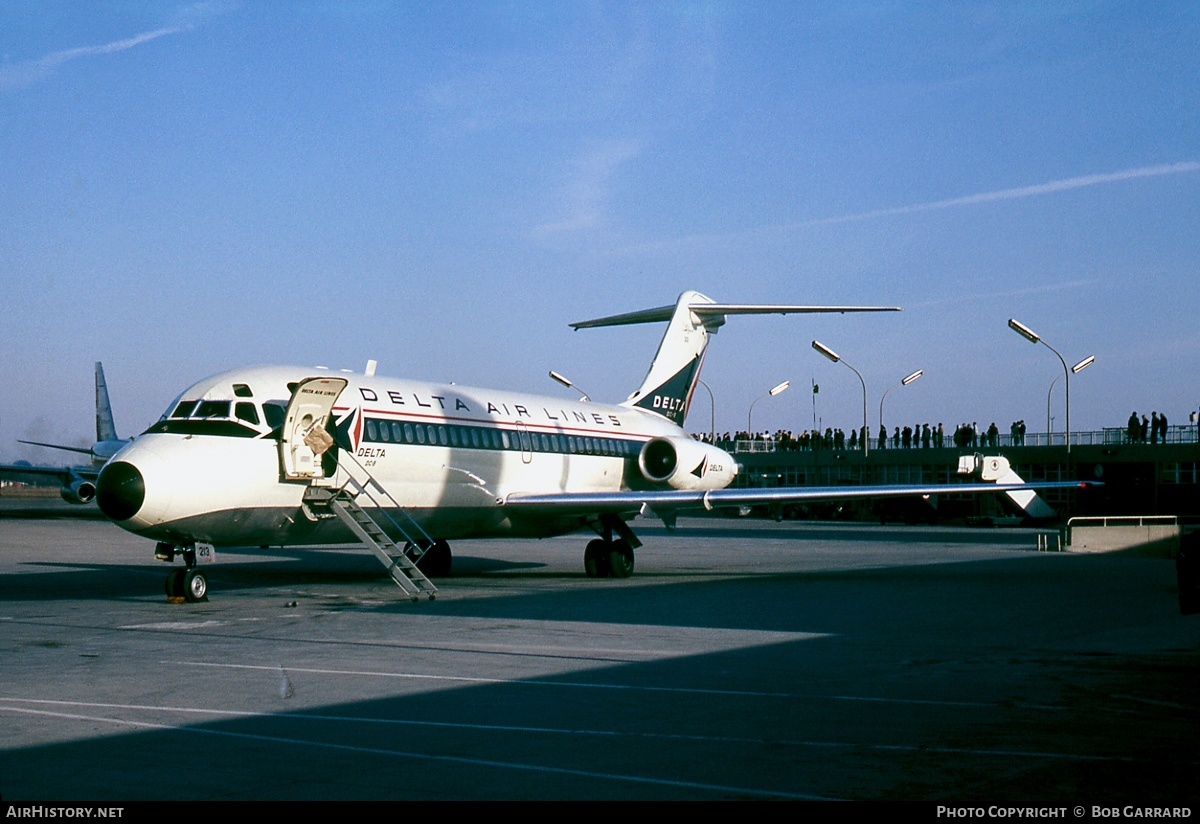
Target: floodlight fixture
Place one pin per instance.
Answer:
(561, 379)
(1023, 330)
(826, 351)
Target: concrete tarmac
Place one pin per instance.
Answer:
(743, 660)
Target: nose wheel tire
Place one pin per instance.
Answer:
(195, 586)
(189, 584)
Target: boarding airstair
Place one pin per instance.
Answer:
(339, 497)
(340, 490)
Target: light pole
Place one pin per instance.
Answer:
(1075, 370)
(1033, 337)
(903, 382)
(712, 407)
(774, 390)
(568, 384)
(829, 353)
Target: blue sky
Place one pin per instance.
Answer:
(443, 187)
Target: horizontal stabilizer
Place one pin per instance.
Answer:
(718, 311)
(667, 388)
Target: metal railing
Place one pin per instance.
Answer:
(1109, 436)
(1123, 520)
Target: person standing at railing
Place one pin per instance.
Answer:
(1133, 429)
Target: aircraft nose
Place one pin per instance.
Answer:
(120, 490)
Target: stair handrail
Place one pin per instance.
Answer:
(363, 488)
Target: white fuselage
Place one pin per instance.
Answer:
(210, 469)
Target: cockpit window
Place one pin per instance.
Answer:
(274, 412)
(241, 390)
(184, 409)
(211, 409)
(247, 412)
(214, 417)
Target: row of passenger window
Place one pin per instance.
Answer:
(479, 437)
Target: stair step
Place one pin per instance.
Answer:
(402, 569)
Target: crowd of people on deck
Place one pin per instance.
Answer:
(1146, 430)
(920, 436)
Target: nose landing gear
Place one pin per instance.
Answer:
(188, 584)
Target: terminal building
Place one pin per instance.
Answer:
(1141, 479)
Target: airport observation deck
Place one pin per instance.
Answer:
(1160, 478)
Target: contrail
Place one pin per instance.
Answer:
(1013, 293)
(1015, 194)
(1053, 186)
(30, 71)
(57, 58)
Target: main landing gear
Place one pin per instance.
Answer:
(188, 583)
(610, 555)
(435, 561)
(608, 559)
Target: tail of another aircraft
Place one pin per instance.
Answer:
(668, 386)
(106, 430)
(997, 468)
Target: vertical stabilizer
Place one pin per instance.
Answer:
(668, 386)
(667, 389)
(997, 469)
(106, 430)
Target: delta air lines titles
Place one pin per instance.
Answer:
(497, 410)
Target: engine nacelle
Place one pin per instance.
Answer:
(78, 491)
(683, 463)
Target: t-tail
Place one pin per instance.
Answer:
(668, 386)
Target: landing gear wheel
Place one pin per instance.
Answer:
(595, 559)
(174, 584)
(620, 559)
(437, 560)
(195, 586)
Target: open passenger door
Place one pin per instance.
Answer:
(304, 438)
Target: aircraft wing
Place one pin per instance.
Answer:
(31, 474)
(667, 501)
(83, 450)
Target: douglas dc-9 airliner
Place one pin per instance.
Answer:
(278, 455)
